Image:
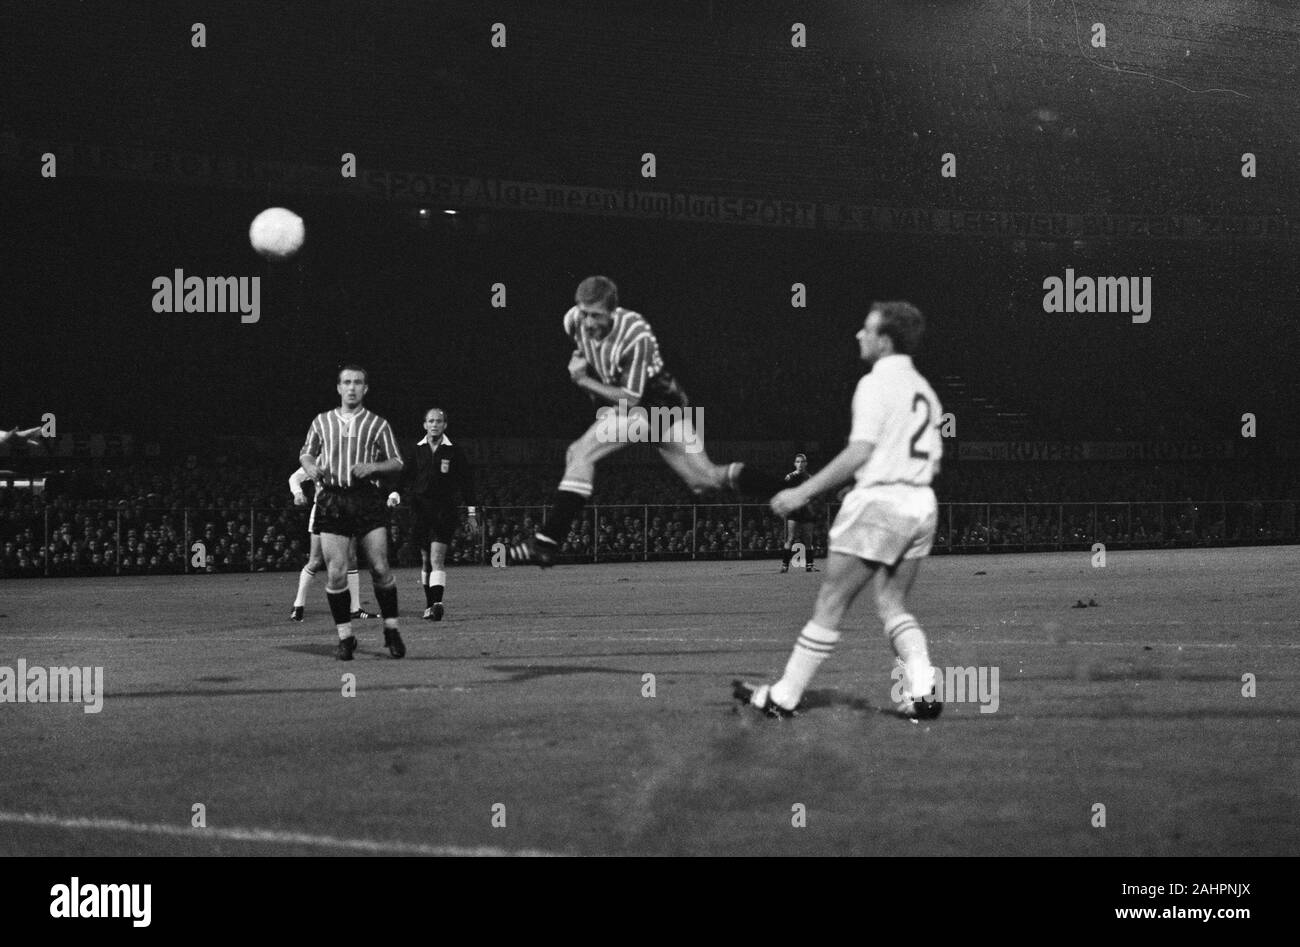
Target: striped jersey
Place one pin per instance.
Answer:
(895, 409)
(627, 356)
(340, 441)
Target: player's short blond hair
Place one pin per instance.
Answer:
(597, 289)
(902, 322)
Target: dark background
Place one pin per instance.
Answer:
(1038, 118)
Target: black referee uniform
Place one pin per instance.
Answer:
(435, 480)
(804, 517)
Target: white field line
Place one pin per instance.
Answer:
(372, 846)
(634, 636)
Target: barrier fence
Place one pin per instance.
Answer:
(104, 539)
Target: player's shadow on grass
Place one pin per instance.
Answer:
(815, 699)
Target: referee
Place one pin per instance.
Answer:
(354, 445)
(798, 523)
(437, 473)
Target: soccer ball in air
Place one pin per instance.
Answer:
(277, 233)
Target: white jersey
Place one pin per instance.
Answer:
(895, 409)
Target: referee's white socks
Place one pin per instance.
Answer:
(908, 641)
(814, 646)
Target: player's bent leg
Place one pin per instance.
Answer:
(334, 547)
(374, 545)
(697, 471)
(890, 587)
(354, 583)
(574, 491)
(846, 577)
(315, 563)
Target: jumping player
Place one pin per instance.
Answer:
(354, 445)
(799, 523)
(435, 473)
(617, 361)
(29, 436)
(887, 523)
(316, 561)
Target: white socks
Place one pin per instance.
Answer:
(908, 641)
(814, 646)
(304, 580)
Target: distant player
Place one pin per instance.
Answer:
(435, 472)
(617, 360)
(316, 561)
(798, 523)
(354, 445)
(30, 436)
(887, 523)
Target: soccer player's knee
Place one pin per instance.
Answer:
(578, 452)
(888, 608)
(701, 480)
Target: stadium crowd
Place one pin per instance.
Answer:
(238, 517)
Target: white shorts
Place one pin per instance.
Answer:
(886, 524)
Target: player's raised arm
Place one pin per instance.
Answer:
(842, 468)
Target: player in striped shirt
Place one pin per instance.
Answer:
(886, 525)
(315, 561)
(617, 361)
(353, 445)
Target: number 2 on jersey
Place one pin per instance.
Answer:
(922, 399)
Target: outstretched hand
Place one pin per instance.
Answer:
(787, 501)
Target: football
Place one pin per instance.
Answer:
(277, 233)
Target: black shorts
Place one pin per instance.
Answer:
(434, 524)
(664, 391)
(354, 512)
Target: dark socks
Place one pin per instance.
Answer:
(340, 606)
(567, 507)
(387, 598)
